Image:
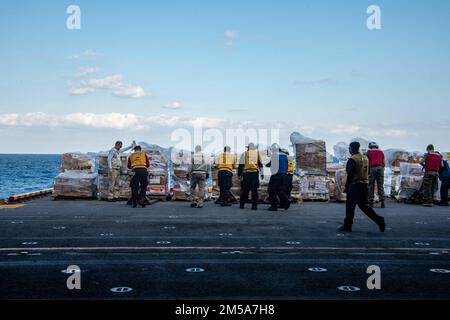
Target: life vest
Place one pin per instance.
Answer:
(138, 160)
(226, 161)
(251, 158)
(290, 165)
(283, 163)
(376, 158)
(433, 162)
(362, 168)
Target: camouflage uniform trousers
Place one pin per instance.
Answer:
(376, 175)
(430, 182)
(198, 179)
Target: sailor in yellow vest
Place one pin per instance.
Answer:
(357, 189)
(249, 169)
(138, 162)
(225, 162)
(290, 174)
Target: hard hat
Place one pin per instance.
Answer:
(275, 147)
(373, 145)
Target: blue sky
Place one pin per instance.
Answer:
(141, 69)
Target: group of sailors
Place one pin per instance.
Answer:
(364, 172)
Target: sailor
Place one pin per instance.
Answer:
(248, 170)
(278, 180)
(139, 163)
(357, 189)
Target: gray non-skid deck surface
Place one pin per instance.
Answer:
(244, 254)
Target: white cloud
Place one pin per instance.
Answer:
(115, 83)
(231, 34)
(87, 71)
(81, 91)
(74, 57)
(121, 121)
(173, 105)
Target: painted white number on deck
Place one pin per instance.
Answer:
(195, 270)
(121, 289)
(348, 288)
(440, 270)
(316, 269)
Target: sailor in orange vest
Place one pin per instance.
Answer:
(376, 173)
(225, 162)
(432, 162)
(357, 189)
(249, 169)
(138, 162)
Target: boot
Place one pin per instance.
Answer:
(254, 208)
(345, 228)
(134, 203)
(382, 225)
(383, 204)
(371, 203)
(272, 208)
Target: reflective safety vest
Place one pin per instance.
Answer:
(226, 161)
(290, 165)
(433, 162)
(251, 158)
(362, 168)
(376, 158)
(138, 160)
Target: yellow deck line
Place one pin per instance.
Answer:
(11, 206)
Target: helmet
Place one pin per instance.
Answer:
(373, 145)
(275, 147)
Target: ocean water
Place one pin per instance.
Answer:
(21, 173)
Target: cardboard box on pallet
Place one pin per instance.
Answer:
(76, 180)
(75, 184)
(314, 187)
(311, 157)
(77, 161)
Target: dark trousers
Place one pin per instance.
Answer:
(139, 184)
(289, 185)
(250, 182)
(277, 189)
(225, 184)
(358, 194)
(444, 190)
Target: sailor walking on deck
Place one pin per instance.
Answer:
(357, 189)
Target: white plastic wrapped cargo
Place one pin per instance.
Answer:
(75, 184)
(341, 151)
(363, 142)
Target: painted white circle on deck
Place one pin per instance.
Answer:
(121, 289)
(293, 242)
(17, 222)
(58, 228)
(225, 234)
(195, 270)
(317, 269)
(106, 234)
(32, 243)
(349, 288)
(422, 244)
(163, 242)
(170, 228)
(440, 270)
